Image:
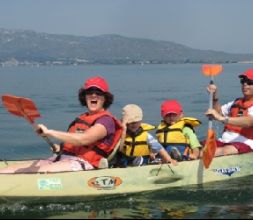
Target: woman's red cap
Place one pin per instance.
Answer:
(97, 82)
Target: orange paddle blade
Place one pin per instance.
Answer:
(210, 148)
(19, 106)
(212, 69)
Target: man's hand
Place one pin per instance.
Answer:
(212, 113)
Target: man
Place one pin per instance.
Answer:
(237, 116)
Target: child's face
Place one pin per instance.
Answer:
(134, 126)
(172, 118)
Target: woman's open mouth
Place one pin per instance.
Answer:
(94, 102)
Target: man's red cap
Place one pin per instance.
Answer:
(97, 82)
(171, 106)
(247, 74)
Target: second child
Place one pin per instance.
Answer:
(176, 132)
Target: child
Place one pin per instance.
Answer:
(138, 146)
(176, 132)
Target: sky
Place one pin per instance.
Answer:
(221, 25)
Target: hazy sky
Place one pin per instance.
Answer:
(224, 25)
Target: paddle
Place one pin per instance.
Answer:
(25, 108)
(210, 70)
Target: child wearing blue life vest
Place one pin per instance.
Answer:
(176, 133)
(138, 147)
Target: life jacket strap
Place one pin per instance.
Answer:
(79, 121)
(165, 130)
(136, 143)
(101, 152)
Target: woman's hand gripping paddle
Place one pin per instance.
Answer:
(25, 108)
(210, 70)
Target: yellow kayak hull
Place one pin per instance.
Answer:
(121, 181)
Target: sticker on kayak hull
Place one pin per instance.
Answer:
(105, 182)
(50, 184)
(227, 171)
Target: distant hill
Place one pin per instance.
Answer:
(24, 47)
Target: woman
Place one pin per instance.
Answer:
(90, 138)
(237, 116)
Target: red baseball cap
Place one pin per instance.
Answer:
(171, 106)
(97, 82)
(247, 74)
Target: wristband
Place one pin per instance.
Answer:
(226, 120)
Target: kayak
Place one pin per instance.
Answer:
(95, 184)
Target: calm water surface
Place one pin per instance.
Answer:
(54, 90)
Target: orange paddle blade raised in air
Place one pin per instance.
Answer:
(210, 148)
(22, 107)
(211, 69)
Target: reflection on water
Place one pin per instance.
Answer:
(231, 199)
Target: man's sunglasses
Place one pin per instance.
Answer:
(247, 81)
(95, 91)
